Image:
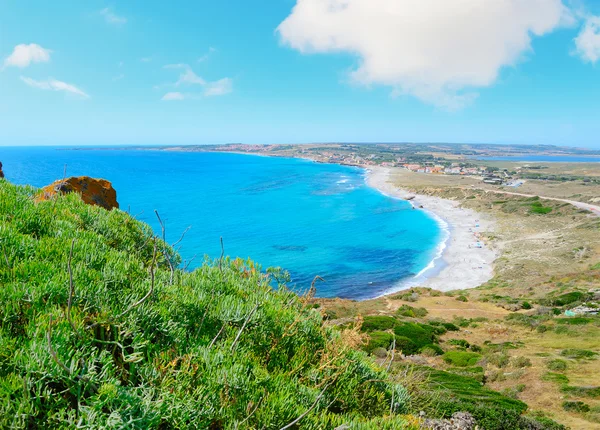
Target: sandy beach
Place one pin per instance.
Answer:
(466, 262)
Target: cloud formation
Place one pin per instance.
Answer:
(173, 96)
(187, 77)
(439, 51)
(52, 84)
(219, 88)
(112, 18)
(587, 43)
(23, 55)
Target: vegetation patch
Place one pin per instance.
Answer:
(578, 354)
(461, 358)
(378, 322)
(576, 406)
(99, 329)
(409, 311)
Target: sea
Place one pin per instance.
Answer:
(307, 218)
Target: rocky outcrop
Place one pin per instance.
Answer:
(1, 172)
(97, 192)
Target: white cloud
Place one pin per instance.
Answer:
(206, 56)
(173, 96)
(436, 50)
(23, 55)
(118, 77)
(52, 84)
(587, 43)
(112, 18)
(219, 88)
(187, 76)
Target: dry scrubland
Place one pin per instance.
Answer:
(513, 328)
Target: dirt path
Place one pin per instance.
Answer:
(594, 209)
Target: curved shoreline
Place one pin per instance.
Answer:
(461, 264)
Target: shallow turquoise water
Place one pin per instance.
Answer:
(311, 219)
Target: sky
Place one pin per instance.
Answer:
(137, 72)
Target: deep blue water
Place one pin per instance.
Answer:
(546, 158)
(311, 219)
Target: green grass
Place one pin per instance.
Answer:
(144, 347)
(134, 342)
(578, 353)
(461, 358)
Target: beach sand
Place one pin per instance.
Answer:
(464, 265)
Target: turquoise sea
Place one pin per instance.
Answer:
(311, 219)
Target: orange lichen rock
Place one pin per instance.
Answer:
(92, 191)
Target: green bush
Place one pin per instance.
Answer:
(557, 365)
(406, 345)
(459, 342)
(520, 362)
(411, 312)
(461, 358)
(132, 343)
(378, 322)
(419, 334)
(568, 298)
(575, 406)
(379, 339)
(432, 350)
(526, 305)
(462, 299)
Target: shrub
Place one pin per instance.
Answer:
(420, 334)
(542, 328)
(406, 345)
(379, 339)
(461, 358)
(380, 352)
(593, 392)
(520, 362)
(513, 392)
(450, 327)
(557, 365)
(526, 305)
(462, 299)
(575, 406)
(500, 359)
(378, 323)
(568, 298)
(459, 342)
(409, 311)
(431, 350)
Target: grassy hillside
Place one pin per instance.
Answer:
(97, 330)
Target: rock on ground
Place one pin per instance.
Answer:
(97, 192)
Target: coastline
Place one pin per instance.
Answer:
(460, 263)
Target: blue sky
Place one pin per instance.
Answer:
(286, 71)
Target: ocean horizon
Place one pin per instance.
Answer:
(308, 218)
